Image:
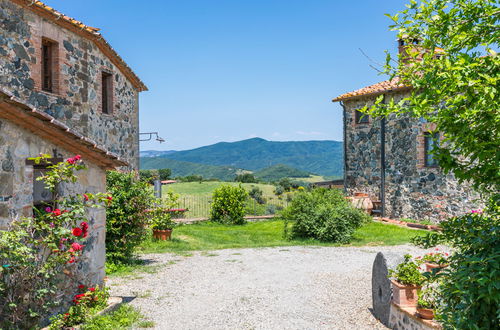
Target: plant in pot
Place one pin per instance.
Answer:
(426, 303)
(435, 261)
(406, 280)
(161, 223)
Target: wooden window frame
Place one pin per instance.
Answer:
(49, 65)
(107, 92)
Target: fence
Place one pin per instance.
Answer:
(199, 206)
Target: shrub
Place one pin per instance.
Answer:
(149, 175)
(38, 255)
(86, 304)
(323, 214)
(161, 215)
(279, 190)
(228, 205)
(164, 173)
(127, 216)
(469, 291)
(257, 194)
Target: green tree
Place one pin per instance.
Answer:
(228, 205)
(246, 178)
(451, 62)
(454, 71)
(149, 175)
(164, 173)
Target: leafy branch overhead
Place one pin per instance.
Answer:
(450, 59)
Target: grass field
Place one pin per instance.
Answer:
(212, 236)
(196, 196)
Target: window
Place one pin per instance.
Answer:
(361, 118)
(107, 92)
(49, 65)
(431, 140)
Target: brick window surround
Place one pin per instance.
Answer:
(106, 92)
(427, 132)
(48, 76)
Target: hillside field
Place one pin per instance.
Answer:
(197, 196)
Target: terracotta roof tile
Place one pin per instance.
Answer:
(90, 33)
(43, 124)
(375, 89)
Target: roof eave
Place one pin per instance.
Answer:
(344, 98)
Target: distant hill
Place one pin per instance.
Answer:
(319, 157)
(154, 153)
(180, 168)
(279, 171)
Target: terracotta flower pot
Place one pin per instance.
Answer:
(162, 234)
(425, 313)
(430, 266)
(404, 295)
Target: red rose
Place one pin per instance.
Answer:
(91, 289)
(56, 212)
(72, 260)
(81, 287)
(77, 232)
(84, 225)
(70, 161)
(86, 197)
(109, 198)
(76, 247)
(77, 157)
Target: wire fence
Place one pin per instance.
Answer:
(199, 206)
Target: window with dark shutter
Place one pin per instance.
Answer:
(431, 141)
(107, 92)
(48, 49)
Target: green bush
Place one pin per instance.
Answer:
(257, 194)
(246, 178)
(126, 216)
(469, 293)
(228, 205)
(407, 272)
(323, 214)
(149, 175)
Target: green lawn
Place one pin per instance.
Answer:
(212, 236)
(125, 317)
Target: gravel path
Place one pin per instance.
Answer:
(265, 288)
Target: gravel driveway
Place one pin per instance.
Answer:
(264, 288)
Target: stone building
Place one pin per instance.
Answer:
(390, 159)
(63, 91)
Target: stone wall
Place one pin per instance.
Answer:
(16, 190)
(411, 189)
(76, 99)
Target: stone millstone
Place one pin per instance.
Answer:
(381, 286)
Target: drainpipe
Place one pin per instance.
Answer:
(382, 164)
(344, 123)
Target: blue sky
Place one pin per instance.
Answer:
(227, 70)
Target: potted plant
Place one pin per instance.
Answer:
(426, 303)
(406, 280)
(161, 223)
(435, 261)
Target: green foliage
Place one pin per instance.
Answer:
(149, 175)
(161, 217)
(186, 169)
(407, 272)
(437, 257)
(469, 289)
(257, 194)
(164, 173)
(124, 317)
(228, 205)
(191, 178)
(427, 297)
(280, 171)
(37, 252)
(126, 216)
(322, 157)
(454, 72)
(86, 304)
(246, 178)
(323, 214)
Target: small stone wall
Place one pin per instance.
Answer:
(406, 318)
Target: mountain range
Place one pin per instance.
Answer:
(316, 157)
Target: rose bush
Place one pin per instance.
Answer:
(38, 254)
